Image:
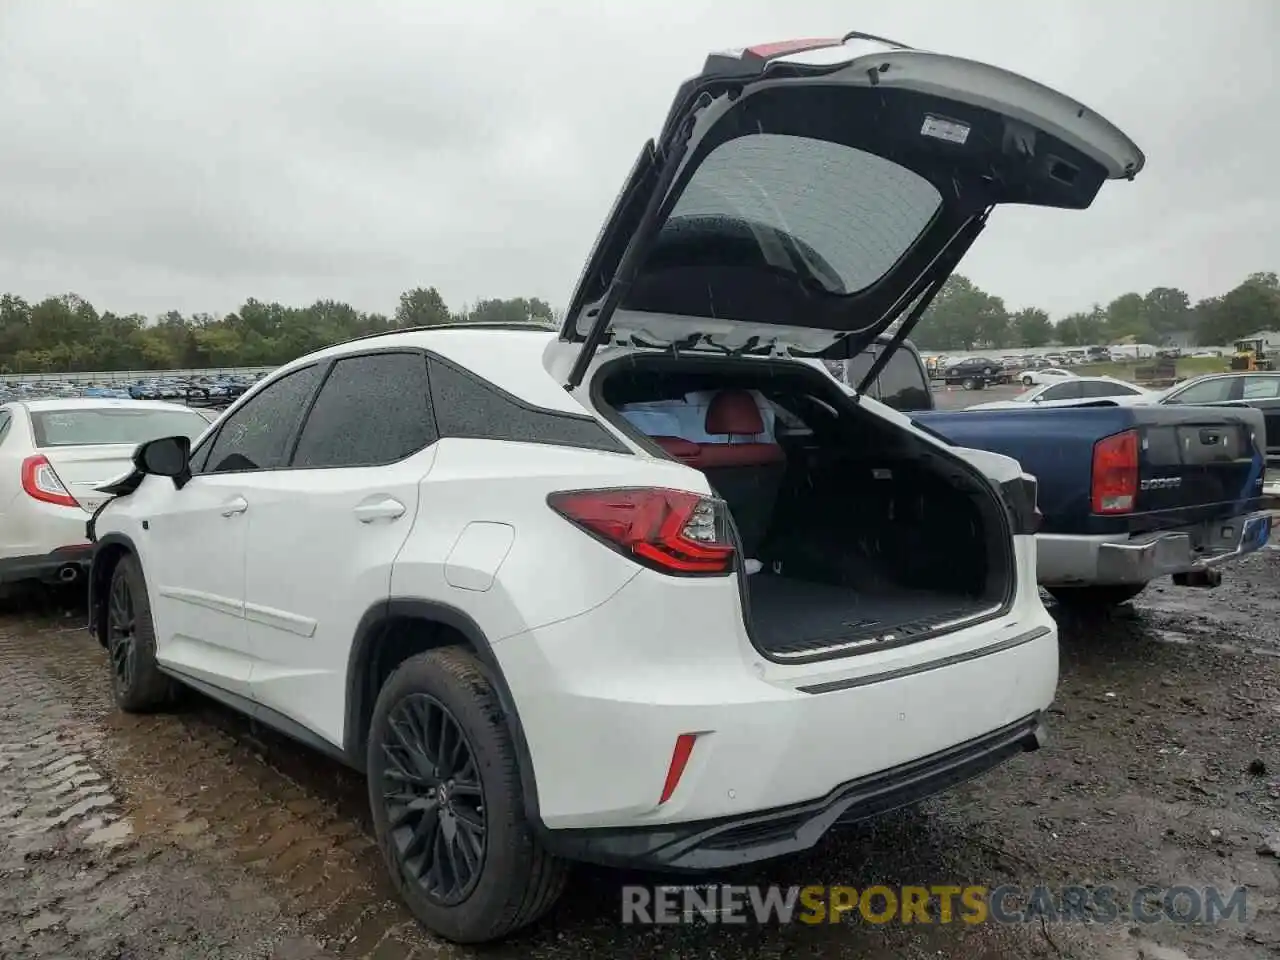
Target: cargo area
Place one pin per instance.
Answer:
(839, 514)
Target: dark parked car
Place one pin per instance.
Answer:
(974, 373)
(1258, 390)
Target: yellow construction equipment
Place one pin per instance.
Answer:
(1250, 355)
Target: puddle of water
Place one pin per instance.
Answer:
(1186, 639)
(110, 835)
(1154, 951)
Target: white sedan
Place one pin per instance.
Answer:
(53, 456)
(1073, 391)
(1036, 378)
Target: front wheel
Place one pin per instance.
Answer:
(1027, 381)
(1096, 598)
(137, 684)
(447, 804)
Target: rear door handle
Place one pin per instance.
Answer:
(386, 508)
(235, 506)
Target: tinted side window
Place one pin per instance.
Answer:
(1062, 391)
(5, 420)
(1216, 390)
(257, 436)
(902, 383)
(1099, 388)
(371, 410)
(466, 406)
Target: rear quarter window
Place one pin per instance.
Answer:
(469, 407)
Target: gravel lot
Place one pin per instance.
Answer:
(196, 835)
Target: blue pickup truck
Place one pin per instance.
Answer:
(1128, 494)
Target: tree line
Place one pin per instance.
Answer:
(67, 334)
(965, 317)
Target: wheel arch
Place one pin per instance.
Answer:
(107, 553)
(366, 670)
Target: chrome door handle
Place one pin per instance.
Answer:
(387, 508)
(235, 507)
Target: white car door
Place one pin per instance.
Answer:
(324, 533)
(194, 539)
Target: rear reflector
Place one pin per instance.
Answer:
(40, 482)
(679, 760)
(672, 531)
(1114, 487)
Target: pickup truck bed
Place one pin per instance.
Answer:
(1195, 487)
(1197, 499)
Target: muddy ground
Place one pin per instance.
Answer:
(193, 835)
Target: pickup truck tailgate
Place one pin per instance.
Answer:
(1195, 464)
(1205, 460)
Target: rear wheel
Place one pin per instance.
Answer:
(1027, 380)
(137, 684)
(969, 383)
(448, 808)
(1097, 597)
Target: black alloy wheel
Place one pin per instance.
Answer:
(433, 799)
(122, 633)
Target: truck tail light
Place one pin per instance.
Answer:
(40, 482)
(668, 530)
(1115, 473)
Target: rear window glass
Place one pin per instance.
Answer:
(74, 428)
(845, 215)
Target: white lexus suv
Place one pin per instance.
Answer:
(656, 591)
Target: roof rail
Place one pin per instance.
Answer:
(548, 327)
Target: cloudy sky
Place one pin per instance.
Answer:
(187, 154)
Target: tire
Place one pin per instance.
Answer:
(1096, 598)
(137, 684)
(969, 383)
(1027, 381)
(515, 881)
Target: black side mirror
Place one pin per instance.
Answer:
(165, 457)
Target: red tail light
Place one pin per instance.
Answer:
(1115, 473)
(668, 530)
(41, 482)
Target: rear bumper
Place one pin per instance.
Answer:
(1070, 560)
(62, 565)
(733, 841)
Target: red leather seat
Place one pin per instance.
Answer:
(746, 474)
(680, 448)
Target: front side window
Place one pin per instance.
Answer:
(372, 410)
(257, 436)
(1217, 390)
